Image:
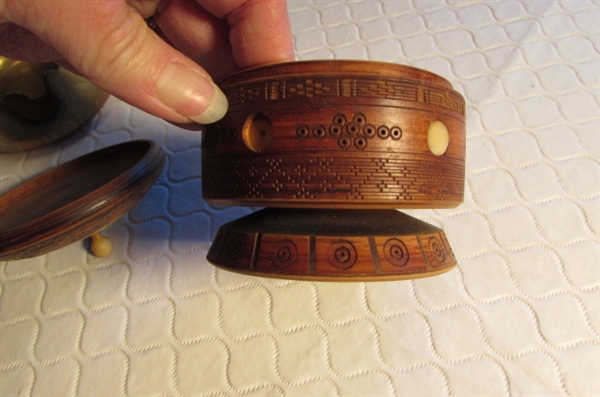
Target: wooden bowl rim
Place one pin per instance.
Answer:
(335, 67)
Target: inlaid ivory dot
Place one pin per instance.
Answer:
(438, 137)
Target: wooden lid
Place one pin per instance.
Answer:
(76, 199)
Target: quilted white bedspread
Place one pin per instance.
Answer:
(519, 316)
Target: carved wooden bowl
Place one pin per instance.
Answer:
(76, 199)
(335, 135)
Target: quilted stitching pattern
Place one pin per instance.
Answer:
(519, 316)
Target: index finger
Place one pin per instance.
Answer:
(260, 31)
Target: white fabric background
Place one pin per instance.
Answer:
(519, 316)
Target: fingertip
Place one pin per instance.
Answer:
(190, 94)
(216, 109)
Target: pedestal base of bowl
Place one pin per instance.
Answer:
(332, 245)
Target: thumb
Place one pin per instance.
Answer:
(110, 44)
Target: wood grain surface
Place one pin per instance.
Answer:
(76, 199)
(337, 146)
(337, 134)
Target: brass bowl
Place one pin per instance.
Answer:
(41, 103)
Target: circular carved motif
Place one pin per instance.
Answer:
(395, 252)
(339, 119)
(360, 142)
(342, 254)
(344, 142)
(237, 247)
(284, 254)
(383, 132)
(353, 128)
(335, 129)
(369, 130)
(318, 131)
(302, 131)
(359, 119)
(437, 249)
(396, 133)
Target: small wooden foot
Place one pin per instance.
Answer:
(100, 245)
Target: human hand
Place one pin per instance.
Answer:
(110, 43)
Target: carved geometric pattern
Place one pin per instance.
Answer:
(322, 257)
(396, 252)
(342, 254)
(356, 133)
(284, 254)
(390, 88)
(437, 249)
(409, 179)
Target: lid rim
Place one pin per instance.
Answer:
(95, 209)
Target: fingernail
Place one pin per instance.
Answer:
(191, 94)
